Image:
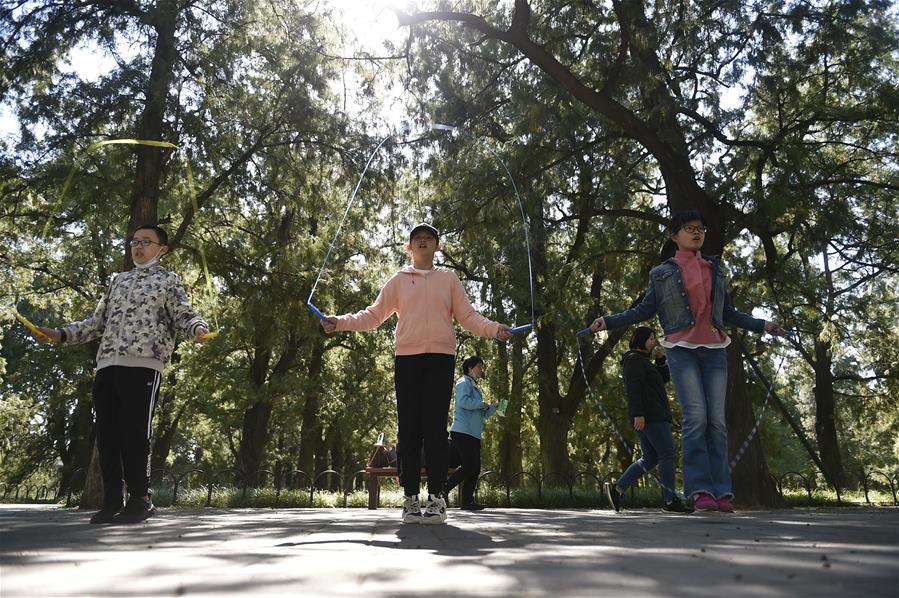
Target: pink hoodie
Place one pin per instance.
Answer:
(425, 305)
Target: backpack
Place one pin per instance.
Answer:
(379, 456)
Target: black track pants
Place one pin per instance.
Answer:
(124, 399)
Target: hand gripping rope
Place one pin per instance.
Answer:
(524, 224)
(27, 324)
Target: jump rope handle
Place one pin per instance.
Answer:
(522, 328)
(27, 324)
(586, 330)
(315, 310)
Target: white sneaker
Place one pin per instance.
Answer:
(435, 511)
(411, 509)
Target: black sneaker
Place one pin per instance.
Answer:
(107, 513)
(614, 496)
(472, 506)
(137, 509)
(676, 505)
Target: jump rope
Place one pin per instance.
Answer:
(453, 131)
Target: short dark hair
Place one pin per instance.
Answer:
(679, 219)
(160, 232)
(639, 337)
(470, 363)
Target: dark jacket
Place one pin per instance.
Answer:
(666, 297)
(645, 387)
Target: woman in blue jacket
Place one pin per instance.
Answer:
(468, 423)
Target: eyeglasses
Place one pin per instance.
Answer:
(142, 243)
(694, 229)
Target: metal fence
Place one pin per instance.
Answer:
(346, 483)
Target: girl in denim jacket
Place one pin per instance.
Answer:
(688, 293)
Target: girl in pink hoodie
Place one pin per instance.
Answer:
(425, 299)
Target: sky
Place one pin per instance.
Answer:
(370, 22)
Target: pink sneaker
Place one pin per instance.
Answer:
(725, 505)
(705, 502)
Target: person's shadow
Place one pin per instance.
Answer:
(443, 539)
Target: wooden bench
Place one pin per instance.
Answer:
(374, 481)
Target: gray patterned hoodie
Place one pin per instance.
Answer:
(138, 319)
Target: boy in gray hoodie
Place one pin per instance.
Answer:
(137, 322)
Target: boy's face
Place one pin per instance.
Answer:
(145, 246)
(423, 245)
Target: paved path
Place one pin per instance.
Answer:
(504, 552)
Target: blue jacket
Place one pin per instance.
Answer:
(667, 297)
(469, 414)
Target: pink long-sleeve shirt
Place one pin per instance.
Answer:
(425, 304)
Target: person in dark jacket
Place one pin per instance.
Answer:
(647, 405)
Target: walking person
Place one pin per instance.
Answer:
(647, 402)
(689, 294)
(425, 299)
(469, 414)
(137, 322)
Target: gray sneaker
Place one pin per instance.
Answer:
(411, 509)
(435, 510)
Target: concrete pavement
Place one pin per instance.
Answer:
(503, 552)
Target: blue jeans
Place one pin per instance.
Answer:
(657, 445)
(700, 382)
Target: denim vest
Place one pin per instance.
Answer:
(667, 297)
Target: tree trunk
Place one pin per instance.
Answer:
(150, 160)
(552, 426)
(73, 436)
(338, 454)
(752, 482)
(825, 417)
(164, 438)
(253, 440)
(92, 497)
(281, 467)
(553, 431)
(510, 453)
(311, 430)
